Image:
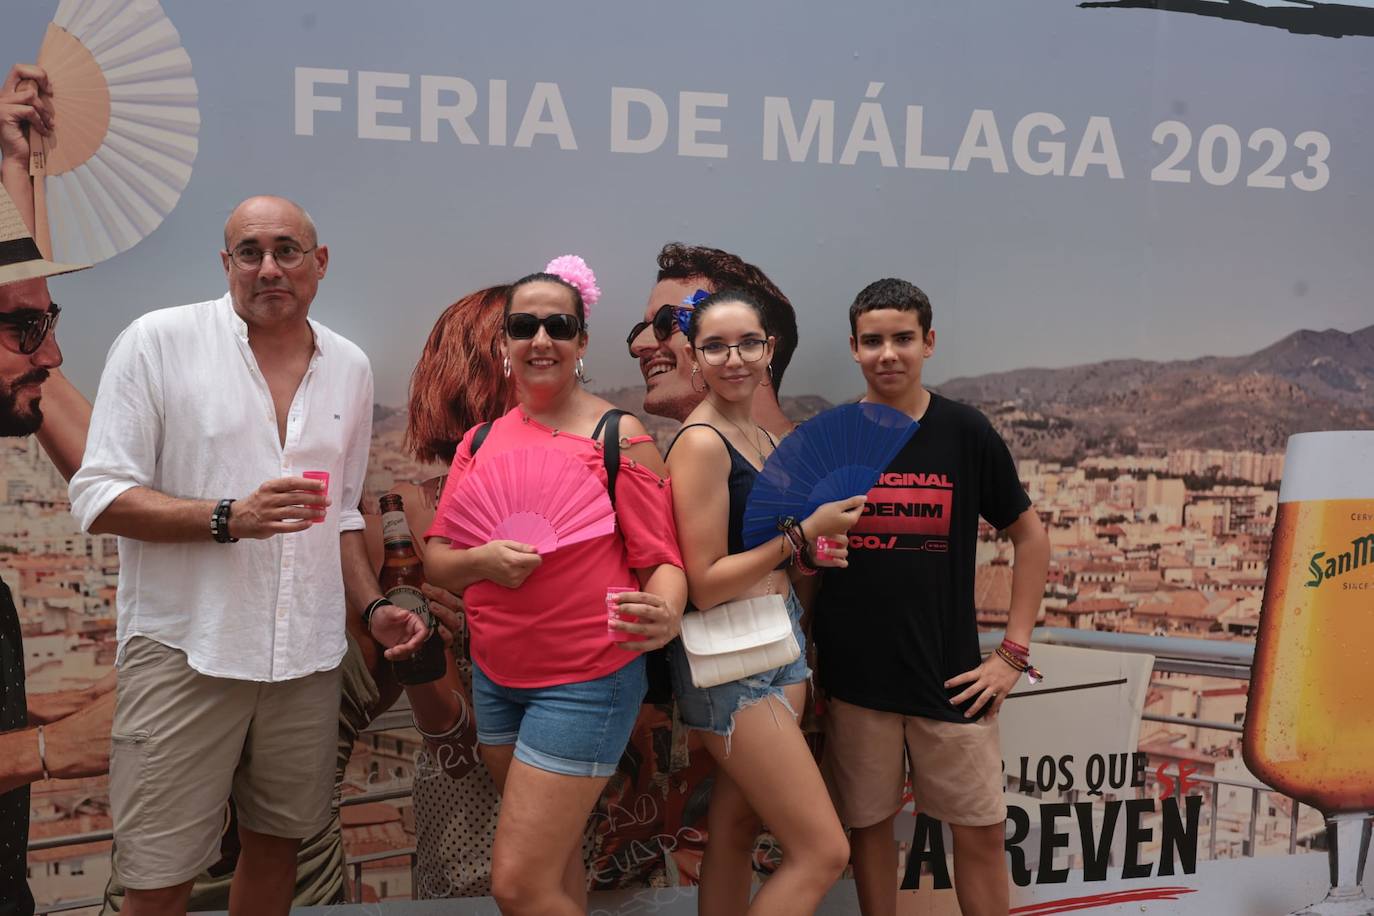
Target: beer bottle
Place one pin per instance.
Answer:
(401, 579)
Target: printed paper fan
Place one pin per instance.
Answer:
(540, 496)
(836, 454)
(126, 128)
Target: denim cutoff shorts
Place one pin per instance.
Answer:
(713, 708)
(578, 729)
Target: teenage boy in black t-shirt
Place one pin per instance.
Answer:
(896, 633)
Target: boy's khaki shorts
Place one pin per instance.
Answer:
(182, 742)
(956, 769)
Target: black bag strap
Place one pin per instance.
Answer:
(610, 448)
(479, 437)
(610, 422)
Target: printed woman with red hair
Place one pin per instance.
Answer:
(456, 385)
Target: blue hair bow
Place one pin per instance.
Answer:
(684, 314)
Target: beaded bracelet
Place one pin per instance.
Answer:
(1021, 663)
(796, 535)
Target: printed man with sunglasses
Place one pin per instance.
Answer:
(62, 734)
(660, 344)
(236, 571)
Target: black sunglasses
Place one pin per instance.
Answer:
(667, 319)
(524, 326)
(29, 332)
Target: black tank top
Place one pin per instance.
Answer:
(741, 481)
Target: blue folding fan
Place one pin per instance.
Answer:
(836, 454)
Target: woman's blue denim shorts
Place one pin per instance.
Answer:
(713, 708)
(578, 729)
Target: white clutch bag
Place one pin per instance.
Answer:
(738, 639)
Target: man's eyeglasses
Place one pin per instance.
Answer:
(524, 326)
(667, 319)
(24, 332)
(288, 256)
(717, 353)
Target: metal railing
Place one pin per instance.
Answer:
(1178, 655)
(354, 863)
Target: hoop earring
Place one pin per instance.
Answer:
(505, 367)
(696, 370)
(767, 381)
(580, 371)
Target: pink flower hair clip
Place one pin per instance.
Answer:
(573, 270)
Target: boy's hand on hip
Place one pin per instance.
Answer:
(988, 685)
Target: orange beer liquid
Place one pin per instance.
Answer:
(1310, 718)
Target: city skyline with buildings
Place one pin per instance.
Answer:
(1134, 550)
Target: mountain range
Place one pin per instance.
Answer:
(1309, 380)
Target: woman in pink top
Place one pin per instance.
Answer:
(555, 695)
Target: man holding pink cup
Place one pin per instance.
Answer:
(199, 484)
(323, 477)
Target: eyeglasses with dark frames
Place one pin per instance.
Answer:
(24, 332)
(717, 353)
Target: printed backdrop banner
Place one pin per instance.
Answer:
(1144, 228)
(1084, 717)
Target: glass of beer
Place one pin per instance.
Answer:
(1309, 723)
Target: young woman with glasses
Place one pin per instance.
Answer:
(749, 726)
(555, 696)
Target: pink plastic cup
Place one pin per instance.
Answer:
(613, 613)
(324, 477)
(824, 545)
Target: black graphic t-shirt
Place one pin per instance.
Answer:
(899, 621)
(15, 899)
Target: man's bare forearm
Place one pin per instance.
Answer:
(14, 175)
(360, 580)
(145, 514)
(66, 420)
(19, 762)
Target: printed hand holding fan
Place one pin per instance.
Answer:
(539, 496)
(125, 128)
(835, 455)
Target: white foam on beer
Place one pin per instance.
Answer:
(1328, 465)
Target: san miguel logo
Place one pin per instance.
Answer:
(1323, 567)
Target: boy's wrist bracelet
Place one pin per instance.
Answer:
(1021, 664)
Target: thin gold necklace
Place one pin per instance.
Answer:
(752, 443)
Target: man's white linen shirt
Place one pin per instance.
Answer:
(183, 409)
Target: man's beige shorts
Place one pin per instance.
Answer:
(182, 742)
(956, 769)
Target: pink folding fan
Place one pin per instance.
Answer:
(538, 496)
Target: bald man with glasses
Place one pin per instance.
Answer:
(236, 571)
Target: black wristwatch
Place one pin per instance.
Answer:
(219, 522)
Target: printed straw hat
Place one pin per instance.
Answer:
(20, 258)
